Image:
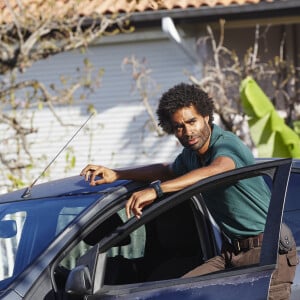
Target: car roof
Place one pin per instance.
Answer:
(295, 161)
(66, 186)
(76, 185)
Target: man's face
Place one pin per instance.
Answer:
(191, 129)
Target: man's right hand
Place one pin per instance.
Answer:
(91, 171)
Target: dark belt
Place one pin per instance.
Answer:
(248, 243)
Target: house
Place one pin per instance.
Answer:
(164, 41)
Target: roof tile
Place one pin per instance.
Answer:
(88, 7)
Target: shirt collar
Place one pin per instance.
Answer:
(215, 133)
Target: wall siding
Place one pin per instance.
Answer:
(118, 135)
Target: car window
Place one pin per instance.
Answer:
(176, 240)
(24, 226)
(172, 246)
(134, 247)
(231, 204)
(165, 247)
(131, 248)
(9, 242)
(291, 214)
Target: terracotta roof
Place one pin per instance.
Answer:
(88, 7)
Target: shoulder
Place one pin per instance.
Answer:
(221, 138)
(218, 132)
(226, 143)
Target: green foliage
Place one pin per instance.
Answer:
(297, 127)
(270, 134)
(70, 159)
(16, 182)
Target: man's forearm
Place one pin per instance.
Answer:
(219, 165)
(146, 173)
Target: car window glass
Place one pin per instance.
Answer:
(135, 246)
(132, 247)
(291, 215)
(165, 247)
(66, 216)
(24, 226)
(172, 246)
(9, 241)
(239, 208)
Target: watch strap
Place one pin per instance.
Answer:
(156, 185)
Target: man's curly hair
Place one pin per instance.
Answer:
(179, 96)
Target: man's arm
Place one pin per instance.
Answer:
(145, 173)
(142, 198)
(219, 165)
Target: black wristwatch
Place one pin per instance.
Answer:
(156, 185)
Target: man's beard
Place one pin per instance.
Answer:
(202, 137)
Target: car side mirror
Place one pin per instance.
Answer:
(79, 281)
(88, 276)
(8, 228)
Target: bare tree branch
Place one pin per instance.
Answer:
(145, 86)
(28, 36)
(224, 71)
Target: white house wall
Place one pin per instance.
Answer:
(118, 135)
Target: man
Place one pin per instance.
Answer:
(187, 112)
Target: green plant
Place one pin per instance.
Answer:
(271, 136)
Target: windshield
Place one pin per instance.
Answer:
(28, 227)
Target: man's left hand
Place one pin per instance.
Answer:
(138, 201)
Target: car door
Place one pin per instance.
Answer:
(291, 217)
(250, 282)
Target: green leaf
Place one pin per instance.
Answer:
(256, 104)
(270, 134)
(297, 127)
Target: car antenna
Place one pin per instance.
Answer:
(27, 192)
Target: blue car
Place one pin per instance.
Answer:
(68, 240)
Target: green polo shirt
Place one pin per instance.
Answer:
(241, 209)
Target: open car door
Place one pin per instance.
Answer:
(249, 282)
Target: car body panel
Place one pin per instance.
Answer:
(199, 288)
(56, 188)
